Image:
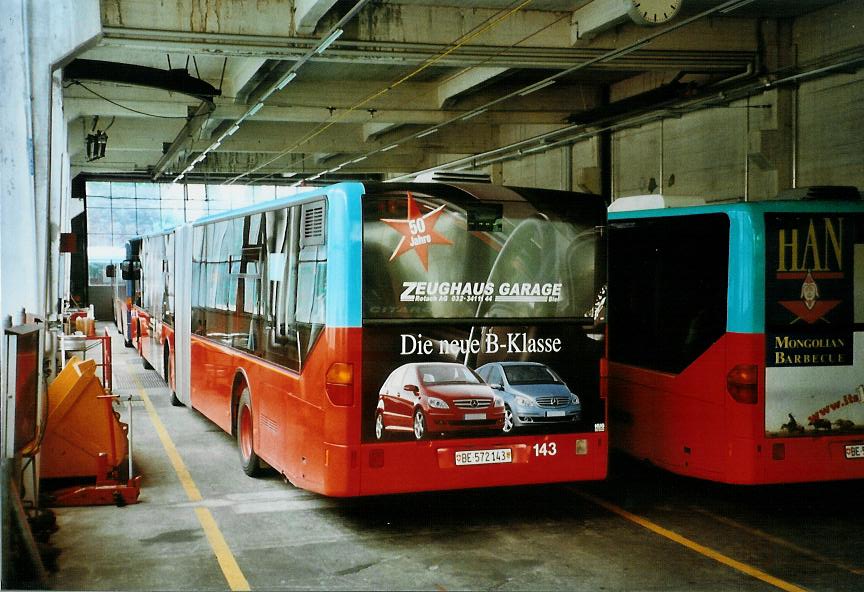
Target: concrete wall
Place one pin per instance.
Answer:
(18, 285)
(34, 177)
(831, 131)
(812, 134)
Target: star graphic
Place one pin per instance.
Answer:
(418, 232)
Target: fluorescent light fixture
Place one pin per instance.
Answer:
(291, 76)
(188, 169)
(200, 157)
(428, 132)
(231, 131)
(255, 109)
(215, 146)
(473, 114)
(390, 147)
(329, 41)
(537, 87)
(313, 177)
(362, 158)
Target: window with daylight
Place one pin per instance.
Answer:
(118, 211)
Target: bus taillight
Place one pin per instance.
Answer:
(340, 384)
(742, 382)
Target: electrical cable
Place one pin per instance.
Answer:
(503, 52)
(104, 98)
(487, 25)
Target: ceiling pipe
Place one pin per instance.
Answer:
(194, 125)
(581, 131)
(265, 90)
(406, 53)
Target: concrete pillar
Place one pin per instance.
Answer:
(35, 41)
(18, 283)
(56, 36)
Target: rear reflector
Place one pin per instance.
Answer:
(340, 384)
(742, 382)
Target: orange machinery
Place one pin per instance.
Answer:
(85, 443)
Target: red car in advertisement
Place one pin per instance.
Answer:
(436, 398)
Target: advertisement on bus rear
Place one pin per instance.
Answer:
(814, 356)
(479, 319)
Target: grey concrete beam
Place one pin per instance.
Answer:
(373, 130)
(307, 13)
(178, 150)
(465, 81)
(238, 73)
(290, 113)
(713, 51)
(269, 17)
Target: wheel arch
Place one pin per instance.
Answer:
(241, 381)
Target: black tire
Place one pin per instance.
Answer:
(248, 459)
(147, 365)
(419, 424)
(167, 367)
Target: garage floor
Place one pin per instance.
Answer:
(202, 524)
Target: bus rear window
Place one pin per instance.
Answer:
(668, 282)
(429, 258)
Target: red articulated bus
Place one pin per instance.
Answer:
(366, 339)
(735, 343)
(153, 318)
(125, 301)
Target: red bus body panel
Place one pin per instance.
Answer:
(317, 445)
(151, 337)
(691, 426)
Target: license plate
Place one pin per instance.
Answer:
(474, 416)
(855, 451)
(483, 457)
(556, 413)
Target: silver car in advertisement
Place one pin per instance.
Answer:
(533, 394)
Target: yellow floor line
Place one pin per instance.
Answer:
(230, 569)
(692, 545)
(782, 542)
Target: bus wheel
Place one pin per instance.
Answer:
(167, 366)
(508, 419)
(379, 426)
(419, 424)
(248, 459)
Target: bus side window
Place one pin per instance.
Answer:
(198, 280)
(297, 272)
(281, 339)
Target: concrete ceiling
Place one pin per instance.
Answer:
(401, 69)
